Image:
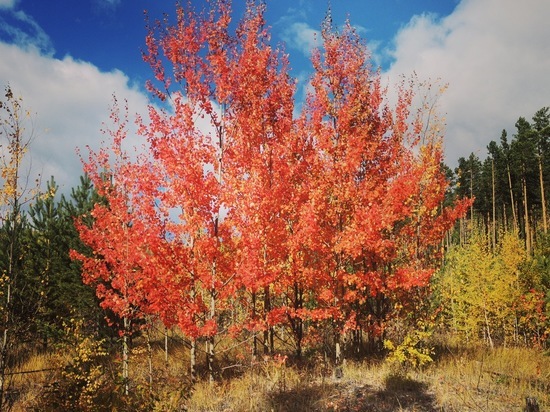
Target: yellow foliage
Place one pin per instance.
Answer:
(83, 374)
(14, 144)
(413, 350)
(479, 289)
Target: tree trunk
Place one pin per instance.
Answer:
(526, 216)
(193, 359)
(149, 361)
(531, 405)
(4, 351)
(296, 322)
(514, 214)
(504, 217)
(542, 196)
(299, 334)
(488, 330)
(494, 223)
(268, 332)
(471, 192)
(461, 235)
(338, 350)
(125, 369)
(210, 342)
(8, 321)
(166, 347)
(255, 338)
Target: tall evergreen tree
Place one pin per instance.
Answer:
(523, 151)
(541, 129)
(57, 277)
(469, 181)
(507, 157)
(50, 288)
(502, 196)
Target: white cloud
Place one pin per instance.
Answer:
(301, 36)
(7, 4)
(71, 100)
(22, 29)
(361, 30)
(495, 56)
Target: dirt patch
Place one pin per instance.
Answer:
(399, 394)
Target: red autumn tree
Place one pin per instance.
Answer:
(259, 125)
(199, 49)
(241, 216)
(122, 234)
(225, 173)
(373, 216)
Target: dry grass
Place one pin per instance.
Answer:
(251, 391)
(476, 380)
(282, 388)
(465, 380)
(27, 381)
(485, 380)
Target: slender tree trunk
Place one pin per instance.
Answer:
(14, 237)
(255, 339)
(471, 193)
(296, 322)
(512, 202)
(193, 359)
(6, 333)
(149, 361)
(210, 343)
(542, 196)
(526, 217)
(125, 369)
(504, 217)
(494, 224)
(338, 350)
(166, 347)
(4, 349)
(488, 330)
(299, 337)
(268, 332)
(461, 234)
(15, 144)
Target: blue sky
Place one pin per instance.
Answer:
(66, 59)
(110, 33)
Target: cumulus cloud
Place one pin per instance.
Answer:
(301, 36)
(495, 56)
(71, 100)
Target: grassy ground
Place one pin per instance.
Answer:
(458, 380)
(477, 380)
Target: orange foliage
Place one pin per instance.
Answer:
(326, 216)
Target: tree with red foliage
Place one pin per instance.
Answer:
(191, 161)
(228, 177)
(260, 121)
(122, 235)
(373, 222)
(328, 219)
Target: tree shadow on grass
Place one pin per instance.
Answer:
(400, 394)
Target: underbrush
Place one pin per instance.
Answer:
(86, 377)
